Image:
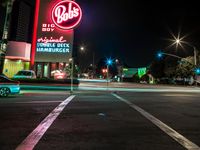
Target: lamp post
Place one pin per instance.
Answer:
(72, 71)
(179, 42)
(108, 63)
(160, 55)
(82, 49)
(4, 38)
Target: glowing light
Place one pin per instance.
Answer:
(33, 47)
(82, 48)
(51, 40)
(177, 41)
(109, 61)
(159, 54)
(66, 14)
(141, 72)
(104, 70)
(48, 27)
(197, 71)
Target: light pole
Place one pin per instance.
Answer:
(72, 71)
(179, 42)
(108, 63)
(160, 55)
(93, 55)
(82, 49)
(4, 38)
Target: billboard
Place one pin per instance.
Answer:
(54, 35)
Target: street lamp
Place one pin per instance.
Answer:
(72, 71)
(83, 49)
(179, 42)
(160, 55)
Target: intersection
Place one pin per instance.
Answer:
(102, 119)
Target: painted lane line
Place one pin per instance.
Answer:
(138, 89)
(36, 102)
(168, 130)
(33, 138)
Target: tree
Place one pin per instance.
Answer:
(185, 67)
(157, 68)
(170, 66)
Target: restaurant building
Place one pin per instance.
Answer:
(41, 36)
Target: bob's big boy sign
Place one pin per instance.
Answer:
(66, 14)
(54, 24)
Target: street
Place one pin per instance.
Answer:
(145, 118)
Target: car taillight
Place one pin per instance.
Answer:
(17, 82)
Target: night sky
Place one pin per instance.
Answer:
(132, 31)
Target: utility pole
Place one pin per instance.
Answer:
(107, 74)
(93, 55)
(195, 56)
(195, 63)
(72, 72)
(3, 44)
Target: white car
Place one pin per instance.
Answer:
(28, 74)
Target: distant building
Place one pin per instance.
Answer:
(19, 37)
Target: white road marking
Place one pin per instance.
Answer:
(36, 102)
(33, 138)
(185, 90)
(168, 130)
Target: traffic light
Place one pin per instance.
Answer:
(159, 54)
(109, 61)
(104, 70)
(197, 71)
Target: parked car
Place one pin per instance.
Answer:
(8, 86)
(28, 74)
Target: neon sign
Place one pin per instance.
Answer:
(52, 45)
(66, 14)
(46, 40)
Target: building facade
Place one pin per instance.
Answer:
(41, 36)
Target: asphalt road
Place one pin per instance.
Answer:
(101, 120)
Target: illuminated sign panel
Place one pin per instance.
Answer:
(66, 14)
(56, 20)
(142, 71)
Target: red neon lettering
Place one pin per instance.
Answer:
(51, 40)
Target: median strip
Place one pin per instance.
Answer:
(168, 130)
(33, 138)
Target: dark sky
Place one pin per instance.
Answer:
(133, 30)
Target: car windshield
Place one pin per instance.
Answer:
(24, 73)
